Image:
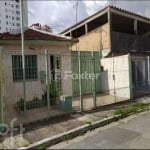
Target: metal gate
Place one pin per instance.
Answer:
(90, 63)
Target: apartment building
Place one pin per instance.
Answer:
(10, 15)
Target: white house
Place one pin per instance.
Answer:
(59, 59)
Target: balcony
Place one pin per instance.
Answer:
(125, 43)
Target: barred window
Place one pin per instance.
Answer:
(30, 67)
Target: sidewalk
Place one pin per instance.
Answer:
(34, 133)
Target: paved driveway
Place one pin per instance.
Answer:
(132, 132)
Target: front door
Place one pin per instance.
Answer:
(55, 73)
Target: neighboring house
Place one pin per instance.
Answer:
(41, 27)
(124, 38)
(59, 59)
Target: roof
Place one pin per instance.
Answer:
(104, 9)
(35, 34)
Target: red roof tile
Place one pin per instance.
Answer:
(33, 34)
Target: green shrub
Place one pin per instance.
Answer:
(53, 93)
(36, 102)
(42, 147)
(130, 109)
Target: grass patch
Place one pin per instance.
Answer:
(88, 122)
(132, 109)
(42, 147)
(68, 137)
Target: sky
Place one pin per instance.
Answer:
(61, 14)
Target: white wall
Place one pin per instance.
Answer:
(120, 69)
(13, 90)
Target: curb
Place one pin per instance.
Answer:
(72, 133)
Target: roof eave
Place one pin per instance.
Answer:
(101, 12)
(37, 41)
(88, 19)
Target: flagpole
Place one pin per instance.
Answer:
(23, 57)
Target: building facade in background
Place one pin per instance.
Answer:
(10, 15)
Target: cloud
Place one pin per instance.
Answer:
(140, 7)
(61, 14)
(93, 6)
(57, 14)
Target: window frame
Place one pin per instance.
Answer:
(17, 68)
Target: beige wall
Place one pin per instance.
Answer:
(13, 90)
(91, 41)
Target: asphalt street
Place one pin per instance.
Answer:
(129, 133)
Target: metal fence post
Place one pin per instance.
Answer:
(148, 73)
(23, 57)
(47, 81)
(100, 71)
(1, 93)
(80, 82)
(94, 82)
(130, 77)
(114, 77)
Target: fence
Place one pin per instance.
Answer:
(111, 82)
(90, 80)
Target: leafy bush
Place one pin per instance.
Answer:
(53, 93)
(36, 102)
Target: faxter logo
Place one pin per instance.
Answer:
(5, 129)
(84, 75)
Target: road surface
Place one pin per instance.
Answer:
(130, 133)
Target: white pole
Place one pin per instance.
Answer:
(23, 57)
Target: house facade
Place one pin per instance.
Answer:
(58, 60)
(117, 33)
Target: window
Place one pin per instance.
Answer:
(18, 24)
(30, 67)
(17, 18)
(17, 6)
(17, 12)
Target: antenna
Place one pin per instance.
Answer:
(76, 7)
